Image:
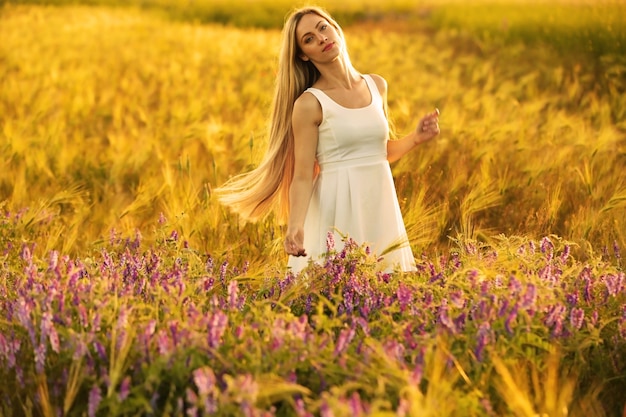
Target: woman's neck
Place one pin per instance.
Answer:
(337, 75)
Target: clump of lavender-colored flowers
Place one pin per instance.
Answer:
(128, 330)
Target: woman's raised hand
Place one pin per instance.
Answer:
(428, 127)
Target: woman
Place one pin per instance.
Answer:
(327, 165)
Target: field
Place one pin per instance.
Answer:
(126, 289)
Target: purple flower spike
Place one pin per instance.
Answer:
(510, 320)
(576, 317)
(483, 338)
(217, 327)
(205, 380)
(405, 296)
(330, 241)
(326, 411)
(124, 388)
(445, 319)
(95, 397)
(614, 283)
(357, 408)
(233, 294)
(343, 340)
(40, 358)
(547, 247)
(529, 299)
(565, 254)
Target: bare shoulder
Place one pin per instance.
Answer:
(307, 108)
(381, 83)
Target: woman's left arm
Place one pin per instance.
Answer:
(427, 128)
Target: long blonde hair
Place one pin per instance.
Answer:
(256, 193)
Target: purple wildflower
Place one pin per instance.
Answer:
(223, 272)
(416, 375)
(124, 388)
(572, 298)
(40, 357)
(95, 397)
(510, 319)
(24, 317)
(343, 340)
(26, 254)
(53, 262)
(483, 338)
(233, 295)
(330, 241)
(217, 327)
(394, 349)
(205, 380)
(298, 328)
(405, 296)
(445, 319)
(4, 347)
(576, 317)
(100, 350)
(209, 264)
(503, 307)
(614, 283)
(456, 298)
(585, 276)
(164, 343)
(459, 321)
(487, 406)
(565, 254)
(515, 286)
(554, 318)
(529, 299)
(48, 331)
(547, 247)
(325, 410)
(301, 409)
(357, 408)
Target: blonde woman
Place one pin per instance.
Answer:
(327, 165)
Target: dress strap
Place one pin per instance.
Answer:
(376, 97)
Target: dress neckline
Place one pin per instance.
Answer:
(369, 88)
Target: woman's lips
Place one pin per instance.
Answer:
(327, 47)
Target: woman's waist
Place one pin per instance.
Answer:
(351, 161)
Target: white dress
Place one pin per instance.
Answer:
(354, 193)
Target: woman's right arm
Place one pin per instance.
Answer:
(306, 118)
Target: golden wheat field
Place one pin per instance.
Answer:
(126, 289)
(112, 117)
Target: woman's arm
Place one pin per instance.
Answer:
(306, 117)
(427, 128)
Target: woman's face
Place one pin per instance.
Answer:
(318, 40)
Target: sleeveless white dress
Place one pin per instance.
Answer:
(354, 193)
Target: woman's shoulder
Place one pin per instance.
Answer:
(380, 82)
(307, 106)
(307, 101)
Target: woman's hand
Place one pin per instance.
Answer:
(428, 127)
(294, 242)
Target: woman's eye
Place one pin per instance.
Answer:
(323, 27)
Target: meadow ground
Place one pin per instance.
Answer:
(128, 290)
